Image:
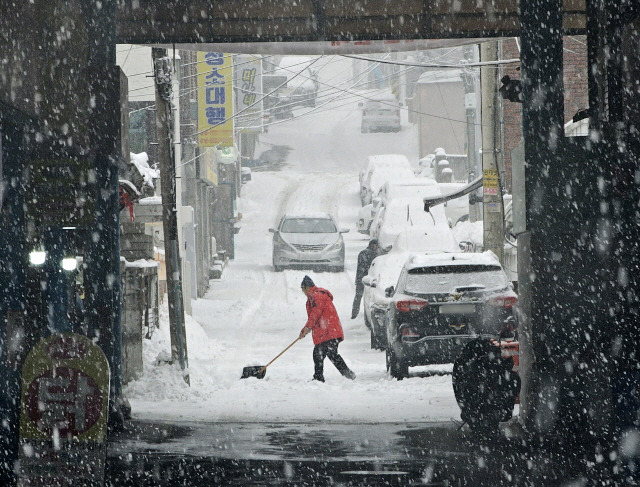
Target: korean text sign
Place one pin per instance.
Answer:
(215, 99)
(248, 86)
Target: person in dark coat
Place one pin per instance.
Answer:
(365, 258)
(324, 324)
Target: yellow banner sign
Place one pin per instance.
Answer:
(215, 99)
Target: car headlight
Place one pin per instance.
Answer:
(279, 242)
(337, 245)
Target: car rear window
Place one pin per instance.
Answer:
(375, 105)
(308, 225)
(445, 279)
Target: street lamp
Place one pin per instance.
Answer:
(69, 264)
(37, 257)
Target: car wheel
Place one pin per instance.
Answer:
(375, 341)
(397, 368)
(278, 268)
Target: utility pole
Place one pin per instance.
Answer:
(162, 71)
(493, 237)
(470, 79)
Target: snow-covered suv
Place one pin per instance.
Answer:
(442, 302)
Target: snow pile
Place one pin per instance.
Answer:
(141, 162)
(161, 380)
(471, 232)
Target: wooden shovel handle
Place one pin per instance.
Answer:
(265, 367)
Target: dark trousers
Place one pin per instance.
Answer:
(328, 349)
(357, 299)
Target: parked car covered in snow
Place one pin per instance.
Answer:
(308, 241)
(409, 189)
(457, 210)
(382, 175)
(381, 112)
(377, 161)
(365, 217)
(440, 303)
(385, 270)
(404, 214)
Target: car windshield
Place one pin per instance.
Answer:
(446, 279)
(308, 225)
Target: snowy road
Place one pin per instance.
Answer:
(252, 313)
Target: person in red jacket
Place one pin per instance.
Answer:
(324, 324)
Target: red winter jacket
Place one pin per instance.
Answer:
(323, 317)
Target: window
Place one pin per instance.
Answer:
(308, 225)
(445, 279)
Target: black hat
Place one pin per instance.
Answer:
(373, 241)
(307, 282)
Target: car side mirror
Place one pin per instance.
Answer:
(369, 281)
(344, 230)
(389, 291)
(273, 230)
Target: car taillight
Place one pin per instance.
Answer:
(407, 305)
(410, 333)
(502, 301)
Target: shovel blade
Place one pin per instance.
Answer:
(257, 371)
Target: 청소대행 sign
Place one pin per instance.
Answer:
(215, 99)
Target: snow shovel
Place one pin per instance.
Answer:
(259, 371)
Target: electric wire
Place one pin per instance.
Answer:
(215, 147)
(439, 66)
(253, 104)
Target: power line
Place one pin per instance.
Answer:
(336, 88)
(438, 66)
(395, 106)
(254, 103)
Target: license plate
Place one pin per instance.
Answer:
(458, 309)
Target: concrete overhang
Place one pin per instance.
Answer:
(322, 47)
(328, 26)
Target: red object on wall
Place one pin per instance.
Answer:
(510, 348)
(125, 202)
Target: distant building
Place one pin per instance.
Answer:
(439, 99)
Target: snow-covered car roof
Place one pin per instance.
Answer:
(452, 259)
(385, 96)
(307, 214)
(415, 240)
(413, 181)
(410, 243)
(382, 175)
(387, 160)
(403, 214)
(410, 187)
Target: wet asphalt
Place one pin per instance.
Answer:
(429, 454)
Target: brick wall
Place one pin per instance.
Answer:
(575, 90)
